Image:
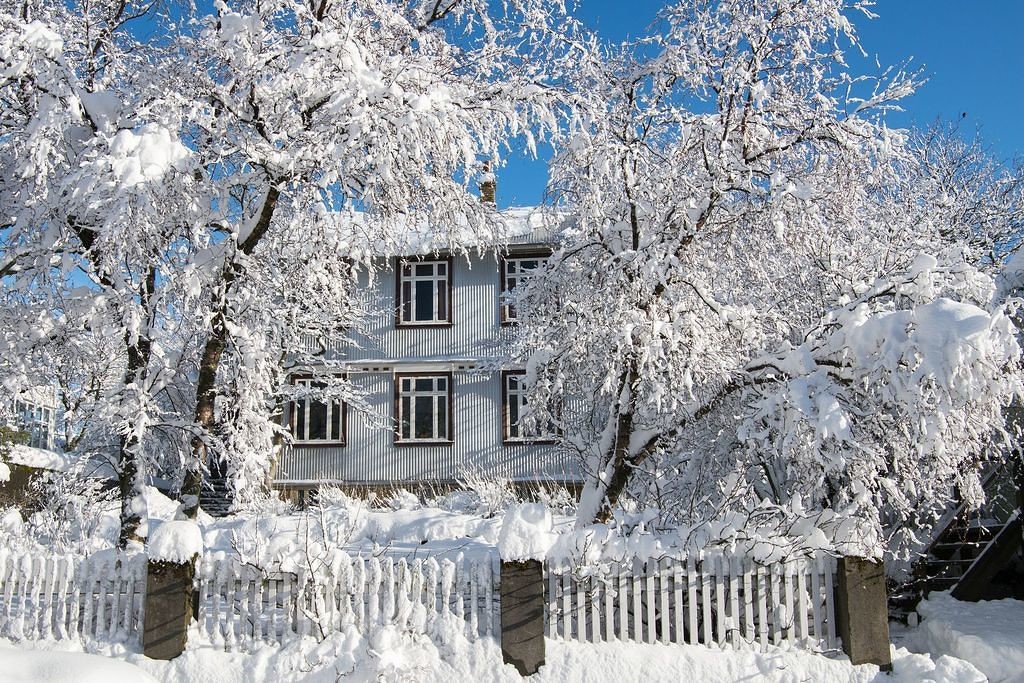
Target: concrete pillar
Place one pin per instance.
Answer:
(862, 612)
(522, 615)
(168, 609)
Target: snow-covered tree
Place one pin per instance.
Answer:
(102, 213)
(762, 284)
(304, 113)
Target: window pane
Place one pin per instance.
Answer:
(528, 265)
(513, 417)
(317, 420)
(424, 306)
(406, 301)
(442, 417)
(425, 269)
(442, 384)
(442, 268)
(335, 434)
(300, 420)
(406, 270)
(406, 384)
(425, 384)
(442, 300)
(424, 418)
(406, 426)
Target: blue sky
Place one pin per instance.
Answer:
(971, 52)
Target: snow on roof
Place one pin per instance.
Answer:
(521, 225)
(39, 458)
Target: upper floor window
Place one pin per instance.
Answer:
(515, 270)
(514, 399)
(314, 420)
(423, 407)
(424, 292)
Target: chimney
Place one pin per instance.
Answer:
(488, 185)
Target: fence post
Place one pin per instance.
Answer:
(168, 608)
(522, 615)
(862, 612)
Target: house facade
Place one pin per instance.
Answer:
(441, 408)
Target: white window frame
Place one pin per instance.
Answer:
(511, 280)
(514, 432)
(441, 301)
(441, 403)
(332, 407)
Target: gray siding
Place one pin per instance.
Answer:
(475, 330)
(371, 457)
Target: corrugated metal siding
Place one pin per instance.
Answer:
(475, 326)
(371, 456)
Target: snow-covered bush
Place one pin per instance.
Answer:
(491, 494)
(71, 513)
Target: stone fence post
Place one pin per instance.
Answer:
(173, 548)
(168, 608)
(522, 615)
(862, 611)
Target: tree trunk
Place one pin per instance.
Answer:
(129, 478)
(206, 393)
(213, 351)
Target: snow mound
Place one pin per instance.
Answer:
(987, 634)
(526, 533)
(33, 666)
(175, 541)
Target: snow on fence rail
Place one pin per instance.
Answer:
(712, 598)
(240, 604)
(56, 596)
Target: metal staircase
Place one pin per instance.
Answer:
(215, 493)
(971, 548)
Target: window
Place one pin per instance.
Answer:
(423, 408)
(316, 421)
(515, 270)
(37, 422)
(424, 291)
(514, 401)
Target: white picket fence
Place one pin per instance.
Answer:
(61, 597)
(241, 605)
(711, 598)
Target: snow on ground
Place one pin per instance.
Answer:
(989, 634)
(984, 634)
(393, 655)
(34, 666)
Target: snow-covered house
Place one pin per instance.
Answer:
(442, 409)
